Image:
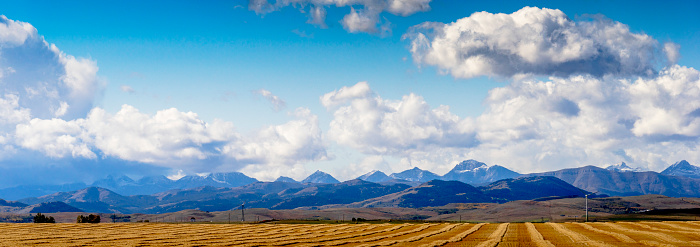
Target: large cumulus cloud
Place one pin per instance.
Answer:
(46, 107)
(44, 81)
(177, 140)
(535, 41)
(650, 122)
(533, 125)
(364, 15)
(406, 127)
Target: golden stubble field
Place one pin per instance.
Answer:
(428, 234)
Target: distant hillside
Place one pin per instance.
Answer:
(527, 188)
(342, 193)
(440, 193)
(594, 179)
(274, 195)
(24, 191)
(11, 203)
(433, 193)
(50, 207)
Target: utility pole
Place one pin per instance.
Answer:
(229, 217)
(586, 207)
(243, 212)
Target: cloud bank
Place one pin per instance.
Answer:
(44, 81)
(46, 106)
(364, 15)
(532, 125)
(177, 140)
(535, 41)
(608, 100)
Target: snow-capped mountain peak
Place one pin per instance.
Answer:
(622, 167)
(475, 172)
(469, 165)
(416, 174)
(683, 168)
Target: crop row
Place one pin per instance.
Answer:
(366, 235)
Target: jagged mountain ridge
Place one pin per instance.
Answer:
(615, 183)
(475, 172)
(684, 169)
(622, 167)
(469, 171)
(272, 195)
(415, 175)
(440, 193)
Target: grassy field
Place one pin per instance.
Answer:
(671, 233)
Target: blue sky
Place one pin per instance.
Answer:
(219, 59)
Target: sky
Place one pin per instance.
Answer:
(288, 87)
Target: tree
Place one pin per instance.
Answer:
(88, 219)
(40, 218)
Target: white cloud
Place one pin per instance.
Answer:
(10, 111)
(672, 52)
(178, 140)
(531, 125)
(169, 136)
(376, 126)
(127, 89)
(364, 15)
(532, 41)
(667, 105)
(318, 16)
(345, 94)
(360, 21)
(367, 164)
(583, 120)
(273, 150)
(277, 102)
(47, 82)
(56, 138)
(15, 33)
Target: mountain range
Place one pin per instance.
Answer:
(283, 195)
(679, 179)
(617, 183)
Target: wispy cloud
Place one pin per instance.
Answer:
(127, 89)
(277, 103)
(364, 16)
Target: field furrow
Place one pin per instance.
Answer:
(536, 237)
(645, 237)
(475, 237)
(308, 235)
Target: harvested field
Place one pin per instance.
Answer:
(428, 234)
